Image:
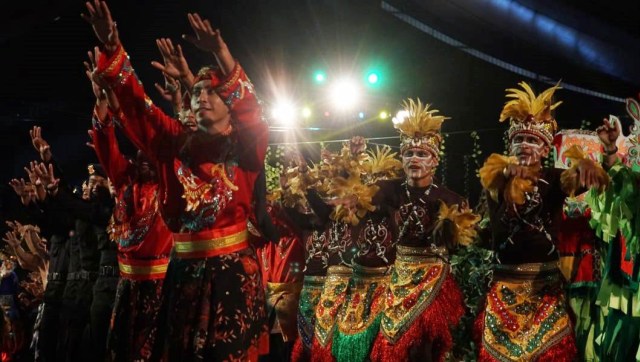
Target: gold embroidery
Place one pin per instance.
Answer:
(218, 169)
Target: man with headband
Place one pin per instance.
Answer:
(216, 305)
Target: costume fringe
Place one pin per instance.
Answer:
(355, 347)
(299, 354)
(320, 353)
(433, 325)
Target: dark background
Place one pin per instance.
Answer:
(281, 43)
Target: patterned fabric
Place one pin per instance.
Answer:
(359, 320)
(216, 309)
(309, 298)
(334, 294)
(135, 320)
(524, 317)
(415, 281)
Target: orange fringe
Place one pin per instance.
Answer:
(433, 325)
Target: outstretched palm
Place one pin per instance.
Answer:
(103, 25)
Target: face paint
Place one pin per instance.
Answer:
(418, 163)
(528, 149)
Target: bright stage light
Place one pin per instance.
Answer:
(306, 112)
(284, 113)
(373, 78)
(361, 115)
(384, 115)
(319, 76)
(400, 116)
(345, 94)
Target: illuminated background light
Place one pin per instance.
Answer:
(320, 77)
(373, 78)
(344, 94)
(384, 115)
(284, 113)
(361, 115)
(400, 116)
(306, 112)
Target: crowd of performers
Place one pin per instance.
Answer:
(183, 253)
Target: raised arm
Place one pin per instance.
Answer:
(143, 123)
(236, 91)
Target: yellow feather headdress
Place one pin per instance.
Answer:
(529, 113)
(420, 127)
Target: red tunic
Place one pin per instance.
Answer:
(144, 242)
(202, 185)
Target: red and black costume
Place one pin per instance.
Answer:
(216, 306)
(423, 302)
(144, 244)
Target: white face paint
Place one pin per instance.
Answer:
(418, 163)
(529, 149)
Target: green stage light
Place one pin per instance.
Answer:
(320, 76)
(373, 78)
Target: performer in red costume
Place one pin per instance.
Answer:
(525, 316)
(423, 302)
(216, 305)
(143, 240)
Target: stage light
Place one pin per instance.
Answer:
(373, 78)
(327, 114)
(384, 115)
(306, 112)
(361, 115)
(320, 76)
(400, 116)
(284, 113)
(345, 94)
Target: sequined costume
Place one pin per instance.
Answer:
(216, 305)
(423, 302)
(144, 244)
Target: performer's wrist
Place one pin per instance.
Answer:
(608, 150)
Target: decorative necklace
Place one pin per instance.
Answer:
(414, 213)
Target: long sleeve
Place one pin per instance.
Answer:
(319, 207)
(238, 94)
(117, 167)
(142, 122)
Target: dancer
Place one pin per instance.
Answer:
(216, 306)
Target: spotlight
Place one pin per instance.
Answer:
(384, 115)
(306, 112)
(345, 94)
(400, 116)
(284, 113)
(319, 76)
(373, 78)
(361, 115)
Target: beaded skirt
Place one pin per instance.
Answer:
(333, 296)
(359, 319)
(525, 315)
(421, 306)
(309, 298)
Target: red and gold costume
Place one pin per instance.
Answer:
(216, 305)
(422, 302)
(144, 244)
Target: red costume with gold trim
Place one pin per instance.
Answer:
(216, 305)
(144, 244)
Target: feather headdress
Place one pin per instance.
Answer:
(529, 113)
(420, 127)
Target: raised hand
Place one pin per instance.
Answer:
(47, 178)
(103, 25)
(208, 39)
(90, 67)
(40, 144)
(11, 238)
(609, 132)
(171, 92)
(24, 190)
(175, 64)
(90, 144)
(41, 193)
